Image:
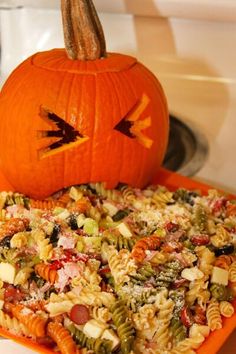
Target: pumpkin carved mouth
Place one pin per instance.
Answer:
(132, 125)
(66, 136)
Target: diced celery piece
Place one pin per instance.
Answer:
(90, 226)
(93, 242)
(80, 246)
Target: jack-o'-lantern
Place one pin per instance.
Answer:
(81, 115)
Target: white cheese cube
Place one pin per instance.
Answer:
(63, 215)
(94, 328)
(124, 230)
(110, 335)
(1, 304)
(75, 194)
(219, 276)
(80, 220)
(197, 329)
(192, 274)
(7, 272)
(112, 209)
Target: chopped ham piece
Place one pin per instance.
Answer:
(66, 242)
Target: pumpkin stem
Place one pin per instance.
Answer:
(83, 33)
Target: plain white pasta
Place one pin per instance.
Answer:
(23, 275)
(69, 296)
(198, 291)
(221, 238)
(61, 303)
(96, 298)
(12, 324)
(121, 264)
(226, 309)
(111, 194)
(206, 259)
(214, 320)
(100, 313)
(145, 321)
(94, 213)
(85, 297)
(58, 308)
(188, 345)
(3, 198)
(197, 329)
(127, 193)
(20, 239)
(3, 215)
(162, 335)
(44, 247)
(232, 272)
(161, 197)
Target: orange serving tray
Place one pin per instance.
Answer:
(172, 181)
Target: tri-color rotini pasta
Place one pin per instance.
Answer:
(117, 271)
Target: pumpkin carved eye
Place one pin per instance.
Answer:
(132, 126)
(66, 135)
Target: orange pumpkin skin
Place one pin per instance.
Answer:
(93, 97)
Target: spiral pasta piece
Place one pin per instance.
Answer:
(143, 273)
(98, 345)
(35, 324)
(20, 239)
(144, 244)
(127, 193)
(12, 198)
(3, 215)
(45, 272)
(100, 189)
(100, 313)
(62, 338)
(168, 274)
(226, 309)
(232, 272)
(162, 335)
(119, 242)
(45, 248)
(46, 204)
(13, 324)
(223, 261)
(12, 226)
(188, 344)
(200, 218)
(221, 238)
(178, 330)
(214, 320)
(64, 198)
(23, 275)
(220, 292)
(121, 265)
(81, 205)
(124, 326)
(162, 197)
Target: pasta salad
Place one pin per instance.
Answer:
(91, 270)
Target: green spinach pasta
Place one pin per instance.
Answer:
(122, 271)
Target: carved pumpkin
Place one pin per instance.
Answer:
(81, 115)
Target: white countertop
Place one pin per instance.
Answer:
(9, 347)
